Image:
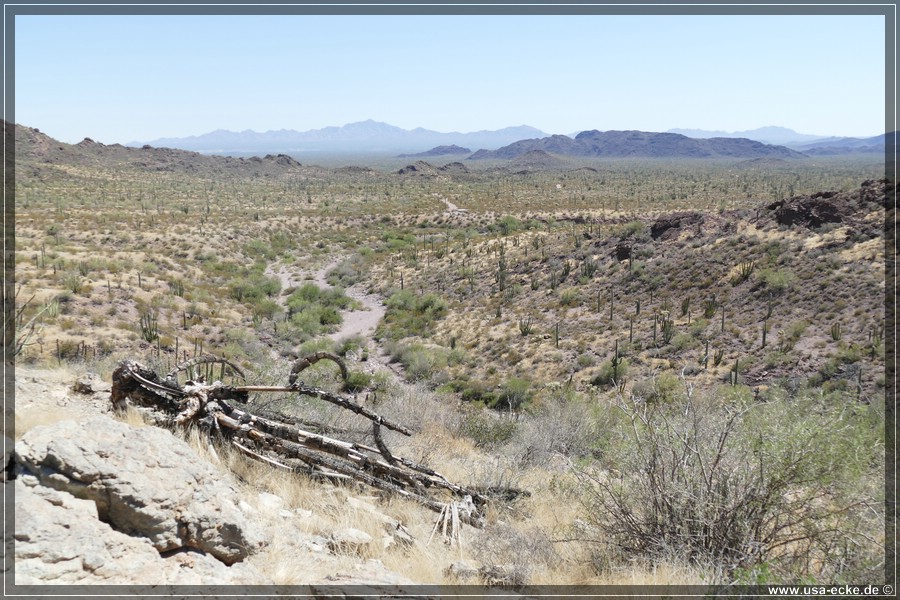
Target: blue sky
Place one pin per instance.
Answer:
(138, 78)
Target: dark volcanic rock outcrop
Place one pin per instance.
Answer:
(454, 167)
(420, 167)
(668, 226)
(831, 207)
(622, 250)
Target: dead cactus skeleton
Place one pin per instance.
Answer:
(282, 444)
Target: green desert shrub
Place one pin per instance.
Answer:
(357, 381)
(420, 363)
(347, 273)
(636, 230)
(776, 281)
(314, 310)
(610, 373)
(252, 287)
(789, 487)
(265, 308)
(409, 314)
(569, 297)
(351, 344)
(259, 250)
(487, 430)
(310, 294)
(665, 387)
(514, 393)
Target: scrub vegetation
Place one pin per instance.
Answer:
(679, 364)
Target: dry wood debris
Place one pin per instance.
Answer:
(284, 445)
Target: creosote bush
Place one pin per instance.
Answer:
(486, 430)
(611, 372)
(751, 487)
(665, 387)
(778, 281)
(408, 314)
(253, 286)
(313, 310)
(357, 381)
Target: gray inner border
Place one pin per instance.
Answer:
(409, 7)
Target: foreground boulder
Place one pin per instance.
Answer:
(144, 482)
(60, 540)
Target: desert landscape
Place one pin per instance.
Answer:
(633, 360)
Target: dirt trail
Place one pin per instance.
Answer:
(360, 322)
(452, 208)
(354, 322)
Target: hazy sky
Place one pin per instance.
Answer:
(123, 79)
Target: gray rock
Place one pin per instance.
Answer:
(86, 384)
(504, 576)
(370, 573)
(60, 540)
(317, 544)
(144, 482)
(349, 541)
(463, 571)
(398, 535)
(270, 502)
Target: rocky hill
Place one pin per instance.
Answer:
(618, 144)
(438, 151)
(421, 167)
(535, 160)
(40, 156)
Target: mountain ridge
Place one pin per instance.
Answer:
(376, 136)
(844, 145)
(770, 134)
(368, 135)
(633, 143)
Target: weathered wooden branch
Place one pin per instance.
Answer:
(303, 362)
(379, 442)
(349, 405)
(285, 445)
(205, 359)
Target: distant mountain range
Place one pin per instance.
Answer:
(39, 157)
(781, 136)
(376, 137)
(847, 145)
(803, 142)
(363, 136)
